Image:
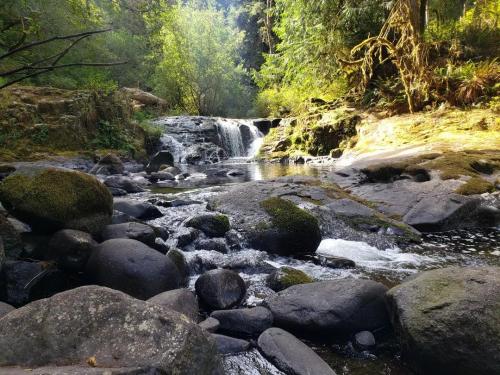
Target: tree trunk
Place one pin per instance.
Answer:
(423, 16)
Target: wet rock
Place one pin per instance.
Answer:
(174, 203)
(177, 257)
(71, 249)
(220, 289)
(138, 210)
(364, 340)
(230, 345)
(205, 153)
(172, 170)
(448, 322)
(285, 277)
(123, 183)
(108, 165)
(215, 244)
(291, 355)
(159, 159)
(49, 199)
(180, 300)
(132, 267)
(11, 237)
(134, 231)
(210, 325)
(244, 322)
(115, 192)
(213, 225)
(5, 308)
(121, 217)
(337, 307)
(119, 331)
(234, 240)
(235, 172)
(335, 262)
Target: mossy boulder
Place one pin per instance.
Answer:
(213, 225)
(285, 277)
(49, 199)
(448, 320)
(291, 230)
(476, 185)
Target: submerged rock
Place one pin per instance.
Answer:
(448, 320)
(291, 355)
(133, 268)
(49, 199)
(337, 307)
(220, 289)
(117, 331)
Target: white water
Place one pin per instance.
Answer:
(370, 257)
(231, 137)
(176, 148)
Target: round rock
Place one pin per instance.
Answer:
(134, 231)
(220, 289)
(133, 268)
(180, 300)
(244, 322)
(71, 249)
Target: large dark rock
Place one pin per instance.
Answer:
(291, 355)
(123, 183)
(159, 159)
(11, 238)
(138, 210)
(71, 249)
(337, 307)
(220, 289)
(448, 320)
(114, 329)
(134, 231)
(230, 345)
(108, 165)
(50, 199)
(213, 225)
(132, 267)
(28, 281)
(180, 300)
(244, 322)
(177, 257)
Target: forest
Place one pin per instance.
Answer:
(258, 58)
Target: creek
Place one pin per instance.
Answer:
(240, 140)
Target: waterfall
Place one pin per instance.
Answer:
(240, 138)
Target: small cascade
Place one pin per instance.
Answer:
(240, 138)
(176, 148)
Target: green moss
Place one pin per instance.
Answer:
(223, 222)
(288, 217)
(51, 199)
(475, 185)
(291, 276)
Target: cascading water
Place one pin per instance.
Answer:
(187, 134)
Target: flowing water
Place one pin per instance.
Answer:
(389, 266)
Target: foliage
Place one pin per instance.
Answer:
(110, 136)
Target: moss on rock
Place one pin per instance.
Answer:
(213, 225)
(49, 199)
(286, 277)
(293, 230)
(475, 185)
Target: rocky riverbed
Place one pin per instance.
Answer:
(240, 268)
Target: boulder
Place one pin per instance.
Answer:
(336, 307)
(220, 289)
(134, 231)
(230, 345)
(177, 257)
(108, 165)
(186, 236)
(213, 225)
(133, 268)
(291, 355)
(159, 159)
(49, 199)
(71, 249)
(215, 244)
(137, 210)
(121, 217)
(5, 308)
(122, 183)
(181, 300)
(244, 322)
(210, 324)
(448, 320)
(285, 277)
(12, 244)
(109, 327)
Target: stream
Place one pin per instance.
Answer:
(241, 140)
